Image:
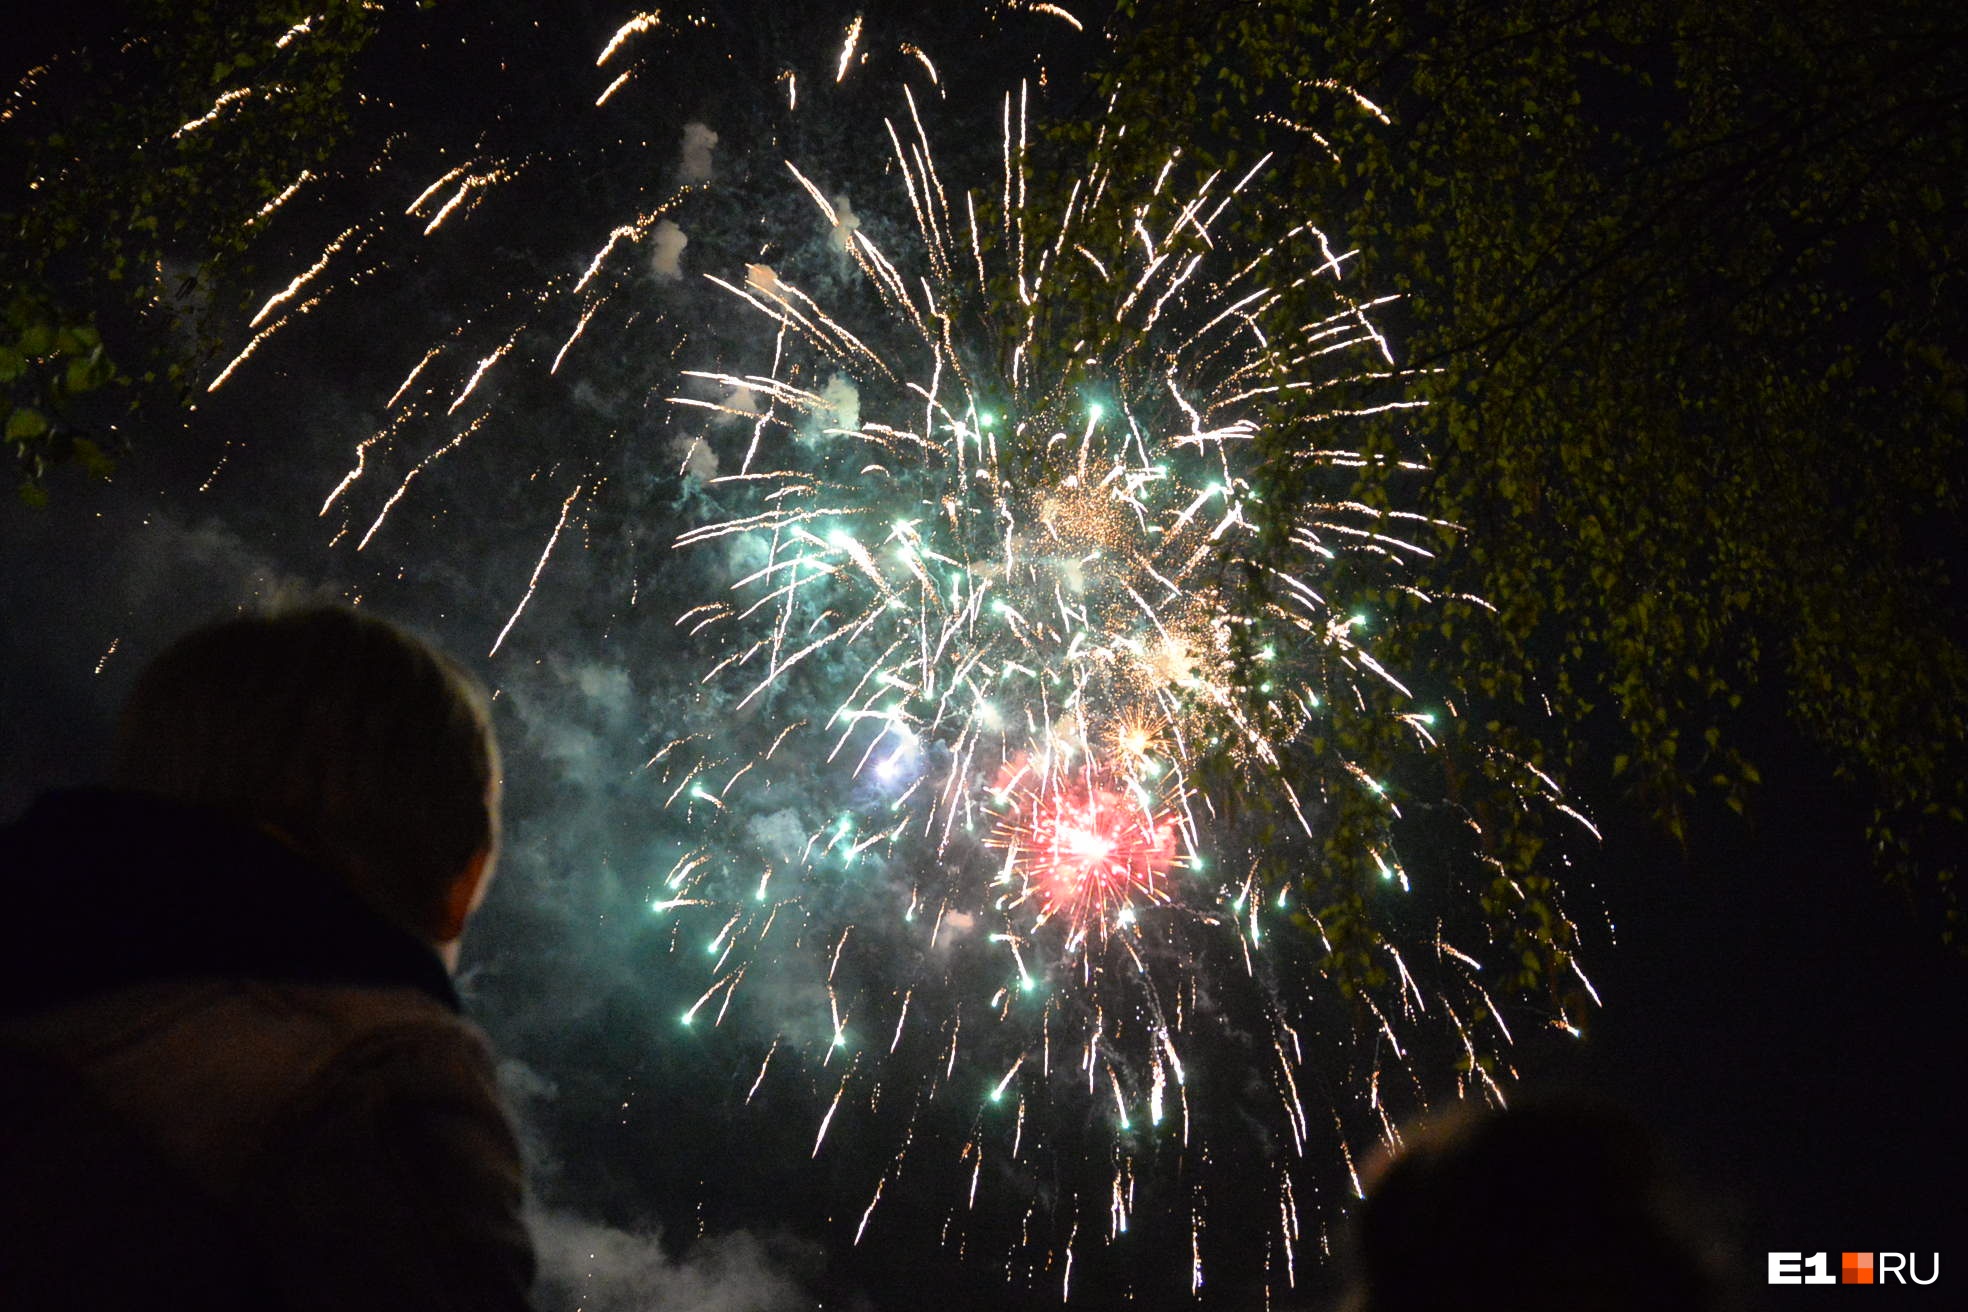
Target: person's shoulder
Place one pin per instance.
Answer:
(213, 1071)
(251, 1036)
(395, 1168)
(345, 1015)
(392, 1043)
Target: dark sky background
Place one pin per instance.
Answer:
(1791, 1028)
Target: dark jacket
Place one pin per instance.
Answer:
(226, 1082)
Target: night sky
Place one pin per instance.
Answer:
(1790, 1027)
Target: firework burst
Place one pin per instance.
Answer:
(1013, 638)
(1050, 566)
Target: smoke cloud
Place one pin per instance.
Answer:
(763, 279)
(598, 1268)
(843, 403)
(666, 255)
(695, 458)
(698, 143)
(847, 224)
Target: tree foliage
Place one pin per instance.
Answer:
(142, 167)
(1683, 290)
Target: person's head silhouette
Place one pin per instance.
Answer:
(356, 744)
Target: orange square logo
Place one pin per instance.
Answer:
(1855, 1269)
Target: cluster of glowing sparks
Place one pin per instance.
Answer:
(1044, 576)
(1005, 589)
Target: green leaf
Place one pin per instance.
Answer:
(84, 374)
(93, 459)
(25, 424)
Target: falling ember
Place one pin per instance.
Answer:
(302, 279)
(258, 340)
(225, 101)
(471, 186)
(620, 81)
(532, 584)
(1063, 15)
(848, 43)
(636, 26)
(286, 194)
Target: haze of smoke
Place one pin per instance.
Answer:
(666, 254)
(780, 834)
(847, 225)
(699, 461)
(86, 600)
(843, 403)
(598, 1268)
(698, 143)
(595, 1267)
(581, 746)
(742, 399)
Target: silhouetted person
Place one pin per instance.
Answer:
(232, 1068)
(1548, 1208)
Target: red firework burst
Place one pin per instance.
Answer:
(1087, 854)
